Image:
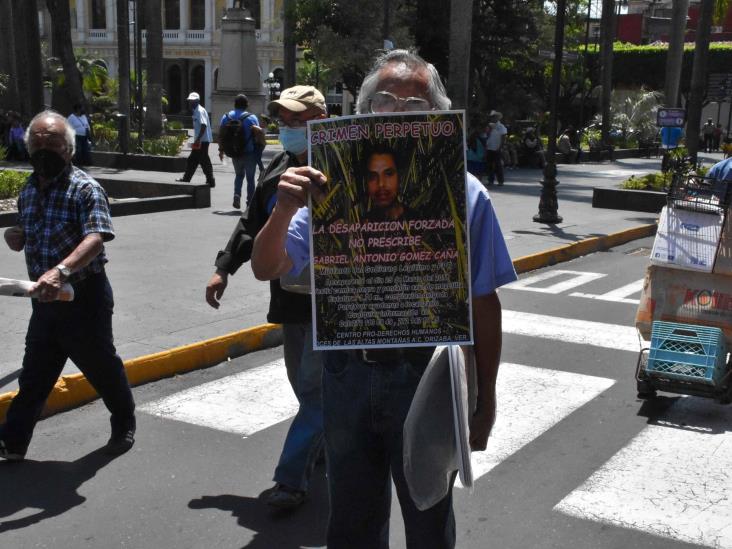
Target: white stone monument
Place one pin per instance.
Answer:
(238, 72)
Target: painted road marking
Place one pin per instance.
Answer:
(530, 402)
(673, 480)
(243, 403)
(583, 332)
(577, 278)
(618, 296)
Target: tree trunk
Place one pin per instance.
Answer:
(461, 23)
(675, 52)
(28, 52)
(698, 77)
(71, 91)
(607, 36)
(154, 55)
(7, 57)
(123, 49)
(289, 45)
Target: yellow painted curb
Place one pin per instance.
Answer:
(583, 247)
(74, 389)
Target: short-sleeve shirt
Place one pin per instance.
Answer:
(491, 265)
(495, 137)
(57, 219)
(721, 171)
(80, 124)
(200, 116)
(247, 123)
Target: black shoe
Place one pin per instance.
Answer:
(211, 183)
(237, 201)
(183, 180)
(120, 442)
(11, 453)
(284, 497)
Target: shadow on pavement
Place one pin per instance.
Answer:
(50, 486)
(12, 376)
(293, 529)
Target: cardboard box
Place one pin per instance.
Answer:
(675, 295)
(723, 263)
(687, 240)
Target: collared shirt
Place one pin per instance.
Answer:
(80, 124)
(721, 171)
(200, 117)
(57, 219)
(490, 264)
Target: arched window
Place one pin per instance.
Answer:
(198, 82)
(175, 100)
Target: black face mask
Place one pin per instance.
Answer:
(47, 163)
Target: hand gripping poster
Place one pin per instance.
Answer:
(389, 238)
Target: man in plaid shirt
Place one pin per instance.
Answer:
(63, 222)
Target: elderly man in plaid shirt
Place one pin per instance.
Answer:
(63, 222)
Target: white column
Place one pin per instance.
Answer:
(185, 12)
(110, 15)
(208, 82)
(209, 12)
(81, 26)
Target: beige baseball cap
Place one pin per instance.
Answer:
(298, 99)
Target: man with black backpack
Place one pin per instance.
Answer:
(242, 140)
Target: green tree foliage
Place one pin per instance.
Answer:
(344, 35)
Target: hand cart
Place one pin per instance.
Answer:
(686, 358)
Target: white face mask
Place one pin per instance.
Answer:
(294, 140)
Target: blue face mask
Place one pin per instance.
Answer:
(294, 140)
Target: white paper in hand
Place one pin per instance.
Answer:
(20, 288)
(459, 386)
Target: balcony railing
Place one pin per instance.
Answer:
(99, 35)
(183, 36)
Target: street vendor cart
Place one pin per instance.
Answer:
(685, 310)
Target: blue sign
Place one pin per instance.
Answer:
(670, 117)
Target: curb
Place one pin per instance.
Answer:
(74, 390)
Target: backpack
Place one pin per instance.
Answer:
(233, 135)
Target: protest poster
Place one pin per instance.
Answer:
(389, 234)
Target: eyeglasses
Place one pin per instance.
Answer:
(384, 101)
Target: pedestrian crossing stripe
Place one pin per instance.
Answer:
(673, 479)
(568, 330)
(243, 403)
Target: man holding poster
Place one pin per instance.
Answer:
(367, 391)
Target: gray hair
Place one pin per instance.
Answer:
(69, 132)
(437, 94)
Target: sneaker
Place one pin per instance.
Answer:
(284, 497)
(183, 180)
(121, 442)
(237, 201)
(10, 453)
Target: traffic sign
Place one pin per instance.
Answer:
(670, 117)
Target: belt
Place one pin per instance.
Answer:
(417, 356)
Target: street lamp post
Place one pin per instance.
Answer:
(548, 202)
(137, 47)
(273, 86)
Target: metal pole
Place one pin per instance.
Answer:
(138, 73)
(584, 67)
(548, 202)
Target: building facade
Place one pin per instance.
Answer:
(191, 41)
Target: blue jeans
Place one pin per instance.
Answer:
(364, 408)
(244, 166)
(304, 440)
(82, 331)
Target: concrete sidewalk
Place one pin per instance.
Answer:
(160, 263)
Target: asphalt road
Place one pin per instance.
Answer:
(575, 460)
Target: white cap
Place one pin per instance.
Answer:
(193, 96)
